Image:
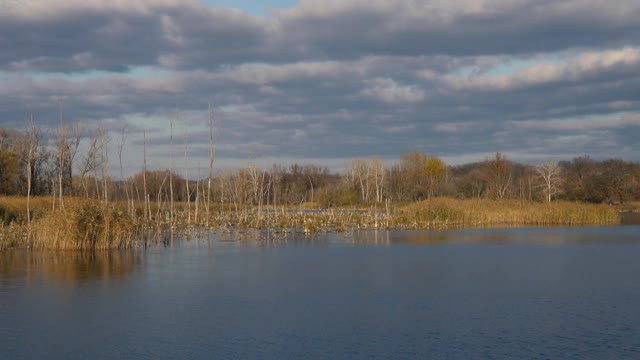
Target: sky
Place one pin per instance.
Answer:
(327, 81)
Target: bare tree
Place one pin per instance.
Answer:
(527, 182)
(171, 208)
(67, 145)
(368, 175)
(147, 207)
(276, 177)
(378, 173)
(254, 181)
(186, 176)
(32, 142)
(198, 191)
(359, 171)
(258, 184)
(123, 136)
(212, 154)
(549, 172)
(104, 163)
(159, 197)
(499, 176)
(90, 162)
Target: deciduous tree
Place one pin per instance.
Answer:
(498, 174)
(549, 172)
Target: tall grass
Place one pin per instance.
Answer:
(444, 212)
(87, 224)
(81, 225)
(13, 209)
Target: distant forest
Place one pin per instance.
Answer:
(28, 165)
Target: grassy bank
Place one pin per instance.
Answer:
(88, 224)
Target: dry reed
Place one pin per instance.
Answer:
(444, 212)
(87, 224)
(80, 225)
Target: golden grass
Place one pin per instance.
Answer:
(444, 212)
(80, 225)
(633, 206)
(88, 224)
(14, 208)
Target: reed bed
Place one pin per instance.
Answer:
(80, 225)
(88, 224)
(443, 212)
(438, 213)
(13, 209)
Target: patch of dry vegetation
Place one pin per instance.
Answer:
(81, 225)
(89, 224)
(13, 209)
(444, 212)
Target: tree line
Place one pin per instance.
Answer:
(35, 163)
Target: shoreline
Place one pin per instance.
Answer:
(89, 224)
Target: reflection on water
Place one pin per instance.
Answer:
(630, 218)
(535, 235)
(535, 293)
(69, 266)
(73, 267)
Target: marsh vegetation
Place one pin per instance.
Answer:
(57, 192)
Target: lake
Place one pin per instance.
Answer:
(533, 293)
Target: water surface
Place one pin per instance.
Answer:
(539, 293)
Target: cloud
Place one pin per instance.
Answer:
(330, 80)
(391, 92)
(260, 74)
(401, 129)
(583, 67)
(610, 122)
(348, 28)
(455, 127)
(71, 36)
